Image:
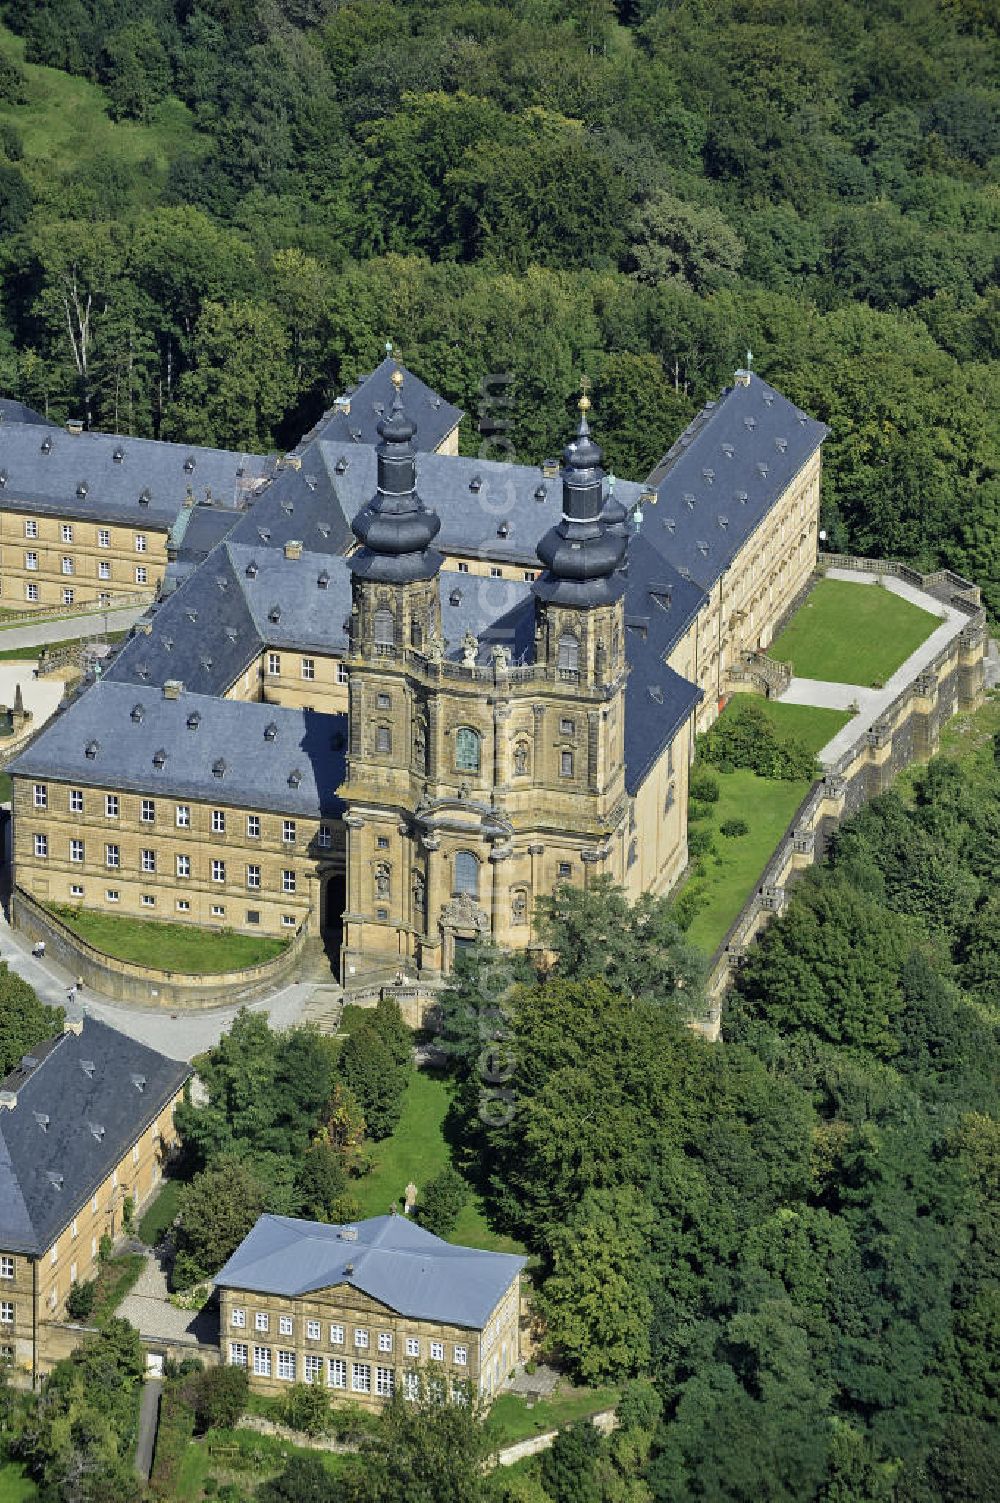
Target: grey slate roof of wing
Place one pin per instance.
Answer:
(391, 1259)
(230, 751)
(724, 473)
(103, 476)
(203, 634)
(196, 531)
(434, 417)
(659, 605)
(77, 1113)
(302, 505)
(295, 602)
(13, 411)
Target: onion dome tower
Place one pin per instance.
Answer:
(581, 553)
(396, 529)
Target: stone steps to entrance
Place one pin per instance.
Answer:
(324, 1008)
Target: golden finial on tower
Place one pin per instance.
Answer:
(584, 402)
(397, 378)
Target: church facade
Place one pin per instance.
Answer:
(408, 692)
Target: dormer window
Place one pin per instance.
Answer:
(503, 531)
(219, 768)
(781, 444)
(251, 570)
(476, 484)
(540, 492)
(742, 497)
(91, 749)
(82, 490)
(145, 496)
(274, 615)
(455, 598)
(294, 778)
(689, 501)
(189, 464)
(270, 731)
(46, 446)
(159, 757)
(119, 456)
(762, 471)
(323, 582)
(193, 720)
(138, 714)
(139, 1081)
(341, 466)
(708, 476)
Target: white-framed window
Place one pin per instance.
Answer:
(31, 560)
(112, 855)
(253, 826)
(262, 1361)
(104, 537)
(436, 1388)
(461, 1356)
(147, 811)
(253, 876)
(336, 1335)
(41, 845)
(324, 837)
(183, 905)
(238, 1318)
(312, 1368)
(274, 664)
(76, 800)
(287, 880)
(385, 1341)
(67, 564)
(286, 1366)
(567, 727)
(336, 1372)
(260, 1320)
(437, 1351)
(496, 572)
(140, 574)
(68, 596)
(218, 911)
(147, 861)
(40, 793)
(184, 866)
(309, 668)
(103, 569)
(182, 816)
(31, 592)
(218, 870)
(360, 1338)
(111, 806)
(288, 831)
(385, 1382)
(112, 895)
(411, 1385)
(6, 1312)
(140, 542)
(75, 891)
(76, 850)
(30, 527)
(288, 920)
(147, 900)
(313, 1330)
(54, 1254)
(284, 1325)
(343, 677)
(218, 821)
(413, 1346)
(238, 1354)
(6, 1267)
(361, 1377)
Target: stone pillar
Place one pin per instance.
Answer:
(538, 765)
(435, 898)
(535, 852)
(499, 923)
(501, 714)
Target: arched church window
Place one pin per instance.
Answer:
(468, 749)
(569, 653)
(467, 873)
(385, 631)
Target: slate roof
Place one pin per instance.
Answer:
(13, 411)
(102, 476)
(719, 480)
(371, 396)
(196, 531)
(391, 1259)
(236, 752)
(77, 1114)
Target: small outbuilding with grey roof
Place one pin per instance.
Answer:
(369, 1309)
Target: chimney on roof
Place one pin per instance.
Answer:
(74, 426)
(293, 548)
(290, 462)
(349, 1270)
(343, 404)
(73, 1025)
(742, 377)
(144, 628)
(173, 688)
(8, 1100)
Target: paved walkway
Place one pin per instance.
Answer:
(147, 1307)
(872, 702)
(70, 628)
(149, 1415)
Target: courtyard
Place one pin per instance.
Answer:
(852, 631)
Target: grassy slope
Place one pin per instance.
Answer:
(65, 123)
(173, 947)
(161, 1212)
(511, 1420)
(852, 633)
(418, 1151)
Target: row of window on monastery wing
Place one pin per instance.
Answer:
(186, 816)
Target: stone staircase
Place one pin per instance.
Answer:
(324, 1007)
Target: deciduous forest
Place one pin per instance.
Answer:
(249, 197)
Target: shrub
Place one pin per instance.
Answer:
(699, 842)
(704, 786)
(746, 736)
(442, 1201)
(104, 1248)
(733, 827)
(306, 1409)
(80, 1300)
(368, 1067)
(220, 1396)
(698, 810)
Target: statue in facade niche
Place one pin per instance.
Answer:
(500, 658)
(519, 907)
(520, 759)
(381, 880)
(435, 650)
(470, 649)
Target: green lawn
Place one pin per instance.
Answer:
(808, 723)
(15, 1487)
(19, 654)
(418, 1151)
(171, 947)
(161, 1212)
(852, 633)
(511, 1420)
(65, 124)
(731, 871)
